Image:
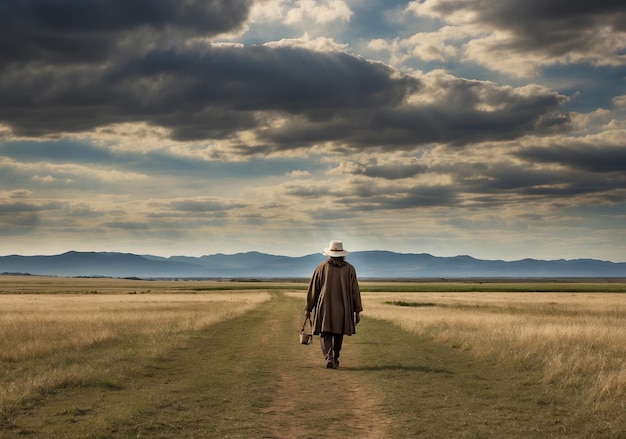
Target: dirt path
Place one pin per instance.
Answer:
(250, 378)
(311, 401)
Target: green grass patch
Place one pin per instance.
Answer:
(613, 286)
(436, 390)
(212, 380)
(410, 304)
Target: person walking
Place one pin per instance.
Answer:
(335, 297)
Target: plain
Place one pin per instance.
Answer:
(562, 351)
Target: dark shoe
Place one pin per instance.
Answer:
(336, 364)
(330, 364)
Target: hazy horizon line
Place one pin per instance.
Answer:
(305, 255)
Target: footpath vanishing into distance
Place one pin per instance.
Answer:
(250, 378)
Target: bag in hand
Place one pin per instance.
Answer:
(306, 338)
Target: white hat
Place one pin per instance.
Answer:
(335, 250)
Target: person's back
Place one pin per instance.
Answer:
(335, 296)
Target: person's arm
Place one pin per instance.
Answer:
(312, 294)
(357, 305)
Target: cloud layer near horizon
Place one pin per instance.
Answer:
(223, 126)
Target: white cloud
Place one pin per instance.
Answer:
(519, 39)
(268, 10)
(320, 12)
(318, 44)
(590, 122)
(346, 168)
(428, 46)
(491, 52)
(431, 9)
(298, 174)
(501, 51)
(619, 101)
(44, 179)
(296, 12)
(5, 132)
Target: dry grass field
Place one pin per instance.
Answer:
(575, 340)
(124, 339)
(49, 327)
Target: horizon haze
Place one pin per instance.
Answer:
(369, 264)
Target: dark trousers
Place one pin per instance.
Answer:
(331, 345)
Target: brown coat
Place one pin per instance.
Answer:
(335, 296)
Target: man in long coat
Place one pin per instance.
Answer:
(335, 296)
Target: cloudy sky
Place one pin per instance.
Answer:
(494, 128)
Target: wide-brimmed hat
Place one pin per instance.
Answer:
(335, 250)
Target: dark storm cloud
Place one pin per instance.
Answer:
(11, 208)
(365, 195)
(17, 217)
(74, 31)
(554, 27)
(499, 177)
(392, 171)
(458, 117)
(418, 196)
(24, 222)
(361, 197)
(202, 206)
(584, 157)
(308, 191)
(484, 184)
(207, 94)
(67, 67)
(492, 184)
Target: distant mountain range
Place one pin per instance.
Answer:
(369, 264)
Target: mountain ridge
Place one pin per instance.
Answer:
(381, 264)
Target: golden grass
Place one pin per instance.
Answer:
(44, 337)
(57, 332)
(37, 325)
(575, 341)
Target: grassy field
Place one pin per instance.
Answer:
(575, 341)
(133, 358)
